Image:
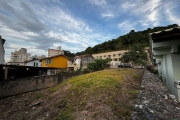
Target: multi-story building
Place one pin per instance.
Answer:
(53, 52)
(114, 56)
(2, 41)
(20, 56)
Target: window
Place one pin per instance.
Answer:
(119, 54)
(115, 59)
(109, 56)
(46, 61)
(104, 55)
(100, 56)
(50, 61)
(114, 55)
(36, 64)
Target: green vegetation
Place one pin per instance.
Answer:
(98, 64)
(102, 94)
(136, 55)
(125, 41)
(69, 54)
(39, 95)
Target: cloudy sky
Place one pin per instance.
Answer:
(77, 24)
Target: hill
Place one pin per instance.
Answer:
(107, 94)
(125, 41)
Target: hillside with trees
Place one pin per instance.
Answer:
(125, 41)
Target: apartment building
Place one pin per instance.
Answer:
(54, 52)
(2, 41)
(20, 56)
(114, 56)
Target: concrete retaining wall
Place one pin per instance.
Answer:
(9, 88)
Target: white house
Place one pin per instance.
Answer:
(79, 62)
(33, 62)
(165, 46)
(2, 41)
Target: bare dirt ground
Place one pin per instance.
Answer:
(32, 105)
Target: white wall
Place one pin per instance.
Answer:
(170, 75)
(176, 70)
(31, 63)
(170, 65)
(114, 64)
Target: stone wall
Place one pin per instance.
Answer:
(9, 88)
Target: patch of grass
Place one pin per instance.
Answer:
(132, 92)
(55, 88)
(116, 88)
(65, 116)
(39, 95)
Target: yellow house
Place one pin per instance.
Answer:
(58, 61)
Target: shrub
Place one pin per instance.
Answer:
(98, 64)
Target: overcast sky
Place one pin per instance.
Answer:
(77, 24)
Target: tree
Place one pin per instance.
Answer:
(98, 64)
(68, 54)
(136, 55)
(125, 41)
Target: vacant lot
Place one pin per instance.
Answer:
(108, 94)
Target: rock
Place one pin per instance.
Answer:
(165, 111)
(165, 97)
(140, 106)
(155, 101)
(136, 106)
(35, 104)
(172, 97)
(146, 102)
(47, 115)
(151, 111)
(33, 108)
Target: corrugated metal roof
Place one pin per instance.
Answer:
(167, 30)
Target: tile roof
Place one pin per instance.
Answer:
(53, 57)
(167, 30)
